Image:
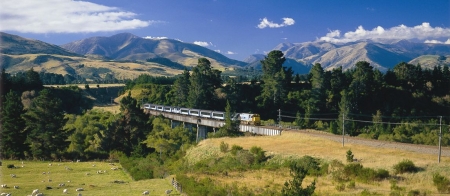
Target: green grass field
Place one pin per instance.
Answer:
(30, 175)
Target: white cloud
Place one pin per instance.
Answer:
(266, 23)
(204, 44)
(218, 51)
(155, 38)
(436, 42)
(420, 32)
(65, 16)
(229, 52)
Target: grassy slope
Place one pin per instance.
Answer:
(125, 70)
(291, 144)
(31, 177)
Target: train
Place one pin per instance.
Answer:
(245, 118)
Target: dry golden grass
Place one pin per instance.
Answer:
(121, 70)
(295, 144)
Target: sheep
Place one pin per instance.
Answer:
(4, 186)
(114, 168)
(43, 173)
(62, 184)
(168, 192)
(65, 191)
(49, 164)
(79, 189)
(79, 194)
(16, 187)
(40, 194)
(13, 175)
(35, 192)
(145, 192)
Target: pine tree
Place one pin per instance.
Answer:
(12, 136)
(44, 122)
(294, 187)
(204, 80)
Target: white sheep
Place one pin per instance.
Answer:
(65, 191)
(40, 194)
(35, 192)
(16, 187)
(4, 186)
(79, 194)
(145, 192)
(168, 192)
(13, 175)
(49, 164)
(62, 184)
(79, 189)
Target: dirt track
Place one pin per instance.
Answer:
(426, 149)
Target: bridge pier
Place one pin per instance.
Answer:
(174, 123)
(201, 132)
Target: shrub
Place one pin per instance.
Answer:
(244, 157)
(405, 166)
(366, 192)
(223, 147)
(351, 184)
(340, 187)
(310, 164)
(352, 170)
(259, 154)
(10, 166)
(349, 156)
(442, 183)
(235, 149)
(416, 193)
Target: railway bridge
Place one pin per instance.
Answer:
(202, 125)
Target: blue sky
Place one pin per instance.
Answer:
(235, 28)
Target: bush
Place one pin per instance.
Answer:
(405, 166)
(223, 147)
(442, 183)
(349, 156)
(245, 157)
(235, 149)
(259, 154)
(310, 164)
(340, 187)
(351, 185)
(357, 171)
(10, 166)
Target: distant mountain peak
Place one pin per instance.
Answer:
(126, 46)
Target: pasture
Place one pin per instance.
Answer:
(96, 178)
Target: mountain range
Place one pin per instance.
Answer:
(126, 56)
(382, 56)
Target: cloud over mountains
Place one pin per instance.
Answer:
(266, 23)
(424, 32)
(65, 16)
